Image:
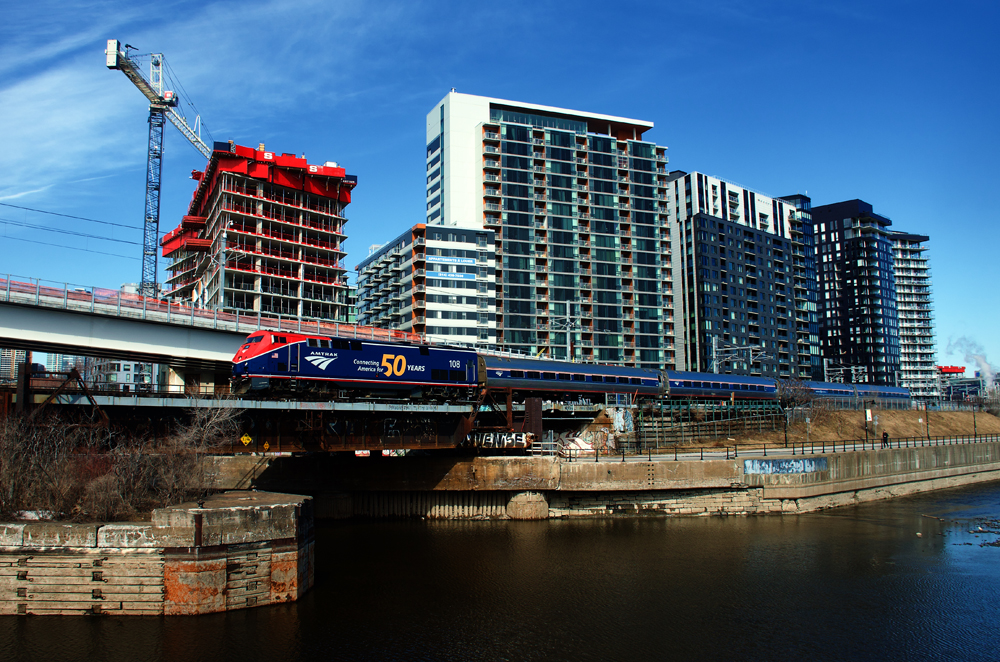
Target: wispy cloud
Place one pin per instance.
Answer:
(68, 119)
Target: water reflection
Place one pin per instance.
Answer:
(855, 583)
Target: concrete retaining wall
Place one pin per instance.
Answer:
(240, 549)
(539, 488)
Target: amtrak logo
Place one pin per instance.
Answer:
(499, 373)
(321, 362)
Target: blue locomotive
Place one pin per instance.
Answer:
(290, 363)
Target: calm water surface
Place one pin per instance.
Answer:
(848, 584)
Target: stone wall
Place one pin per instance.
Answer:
(235, 550)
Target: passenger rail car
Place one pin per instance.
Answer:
(274, 363)
(710, 385)
(554, 379)
(887, 394)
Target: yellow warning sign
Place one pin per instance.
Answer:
(246, 439)
(266, 445)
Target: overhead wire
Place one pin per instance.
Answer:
(79, 218)
(85, 235)
(72, 248)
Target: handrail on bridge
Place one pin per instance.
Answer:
(115, 303)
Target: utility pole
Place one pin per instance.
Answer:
(569, 323)
(723, 352)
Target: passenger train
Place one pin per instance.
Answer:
(302, 366)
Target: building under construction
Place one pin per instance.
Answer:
(264, 233)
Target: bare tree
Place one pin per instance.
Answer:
(793, 393)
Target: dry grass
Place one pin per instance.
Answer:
(841, 425)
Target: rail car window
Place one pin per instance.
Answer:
(456, 375)
(579, 378)
(716, 385)
(324, 343)
(439, 375)
(686, 384)
(548, 375)
(517, 374)
(596, 378)
(563, 375)
(623, 380)
(313, 342)
(279, 339)
(531, 374)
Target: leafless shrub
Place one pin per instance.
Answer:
(41, 467)
(793, 393)
(91, 474)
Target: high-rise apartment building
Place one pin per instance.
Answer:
(436, 280)
(915, 308)
(859, 324)
(264, 233)
(578, 202)
(64, 362)
(9, 360)
(744, 270)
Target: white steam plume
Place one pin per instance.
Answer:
(973, 353)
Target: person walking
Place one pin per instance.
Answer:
(885, 439)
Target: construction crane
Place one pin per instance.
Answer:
(163, 104)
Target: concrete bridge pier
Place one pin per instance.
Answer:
(195, 381)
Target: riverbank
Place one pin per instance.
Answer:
(456, 487)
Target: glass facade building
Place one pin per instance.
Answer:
(859, 323)
(578, 203)
(744, 267)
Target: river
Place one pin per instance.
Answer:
(848, 584)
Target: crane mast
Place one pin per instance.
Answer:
(163, 105)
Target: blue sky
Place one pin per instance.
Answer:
(892, 102)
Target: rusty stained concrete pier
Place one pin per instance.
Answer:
(238, 550)
(451, 487)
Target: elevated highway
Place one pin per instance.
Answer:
(196, 343)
